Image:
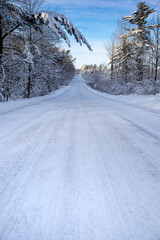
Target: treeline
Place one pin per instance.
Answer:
(134, 53)
(31, 61)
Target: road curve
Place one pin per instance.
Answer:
(80, 167)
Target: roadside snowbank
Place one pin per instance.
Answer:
(145, 101)
(6, 107)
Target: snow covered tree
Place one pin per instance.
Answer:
(12, 18)
(123, 58)
(156, 45)
(111, 52)
(123, 53)
(30, 36)
(139, 18)
(23, 33)
(140, 36)
(134, 53)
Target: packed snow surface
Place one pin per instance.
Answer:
(80, 165)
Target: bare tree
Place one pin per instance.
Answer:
(111, 52)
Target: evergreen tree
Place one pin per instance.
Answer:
(140, 37)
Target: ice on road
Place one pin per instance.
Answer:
(79, 166)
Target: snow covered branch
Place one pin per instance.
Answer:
(55, 21)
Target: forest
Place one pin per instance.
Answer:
(32, 63)
(134, 53)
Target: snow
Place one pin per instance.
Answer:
(79, 164)
(55, 20)
(6, 107)
(150, 102)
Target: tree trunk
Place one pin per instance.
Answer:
(156, 69)
(156, 73)
(1, 52)
(29, 81)
(1, 40)
(30, 66)
(157, 50)
(112, 69)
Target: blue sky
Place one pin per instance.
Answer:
(97, 20)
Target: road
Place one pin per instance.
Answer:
(80, 166)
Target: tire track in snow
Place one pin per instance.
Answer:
(39, 115)
(134, 123)
(37, 103)
(142, 166)
(84, 175)
(31, 167)
(26, 146)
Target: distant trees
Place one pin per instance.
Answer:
(31, 63)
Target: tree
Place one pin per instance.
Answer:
(140, 36)
(11, 18)
(111, 51)
(21, 22)
(156, 45)
(123, 56)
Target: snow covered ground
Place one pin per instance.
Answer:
(80, 165)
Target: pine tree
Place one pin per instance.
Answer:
(140, 36)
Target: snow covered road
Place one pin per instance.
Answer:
(80, 166)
